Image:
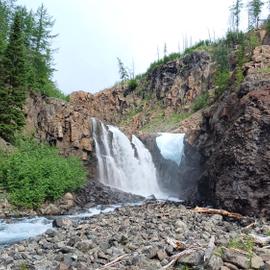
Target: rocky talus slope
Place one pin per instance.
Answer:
(152, 236)
(235, 143)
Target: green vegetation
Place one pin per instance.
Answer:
(254, 12)
(26, 62)
(200, 102)
(159, 121)
(245, 243)
(34, 173)
(236, 10)
(132, 84)
(201, 45)
(263, 70)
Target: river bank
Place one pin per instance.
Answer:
(147, 236)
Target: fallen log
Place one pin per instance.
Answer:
(260, 240)
(177, 256)
(212, 211)
(209, 251)
(116, 260)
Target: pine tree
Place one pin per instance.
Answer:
(122, 70)
(42, 52)
(236, 10)
(13, 82)
(6, 10)
(254, 12)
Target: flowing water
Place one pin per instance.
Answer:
(171, 146)
(124, 164)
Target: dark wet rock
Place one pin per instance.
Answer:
(61, 222)
(95, 193)
(234, 143)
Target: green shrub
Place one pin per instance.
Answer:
(200, 102)
(267, 25)
(35, 173)
(49, 89)
(221, 80)
(132, 84)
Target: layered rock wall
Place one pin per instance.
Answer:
(235, 143)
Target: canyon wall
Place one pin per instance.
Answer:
(235, 143)
(232, 135)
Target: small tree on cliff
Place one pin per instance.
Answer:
(254, 12)
(122, 70)
(236, 10)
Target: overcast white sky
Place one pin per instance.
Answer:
(92, 33)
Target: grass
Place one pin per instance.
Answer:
(160, 122)
(263, 70)
(246, 244)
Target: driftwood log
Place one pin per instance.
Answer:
(212, 211)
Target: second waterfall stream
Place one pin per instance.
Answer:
(124, 164)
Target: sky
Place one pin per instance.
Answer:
(93, 33)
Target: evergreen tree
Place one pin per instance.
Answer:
(42, 52)
(254, 12)
(122, 70)
(236, 10)
(6, 10)
(13, 82)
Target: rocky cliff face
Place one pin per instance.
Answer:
(68, 124)
(65, 125)
(235, 143)
(232, 136)
(179, 82)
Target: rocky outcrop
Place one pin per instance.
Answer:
(68, 124)
(179, 82)
(235, 141)
(62, 124)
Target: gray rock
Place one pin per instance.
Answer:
(215, 263)
(237, 258)
(150, 252)
(62, 222)
(230, 266)
(194, 259)
(84, 245)
(181, 226)
(257, 262)
(161, 254)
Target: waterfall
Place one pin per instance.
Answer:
(171, 146)
(124, 164)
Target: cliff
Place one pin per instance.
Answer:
(171, 88)
(234, 141)
(231, 136)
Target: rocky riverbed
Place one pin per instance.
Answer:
(149, 236)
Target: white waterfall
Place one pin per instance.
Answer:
(171, 146)
(124, 164)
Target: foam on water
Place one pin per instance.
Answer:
(21, 229)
